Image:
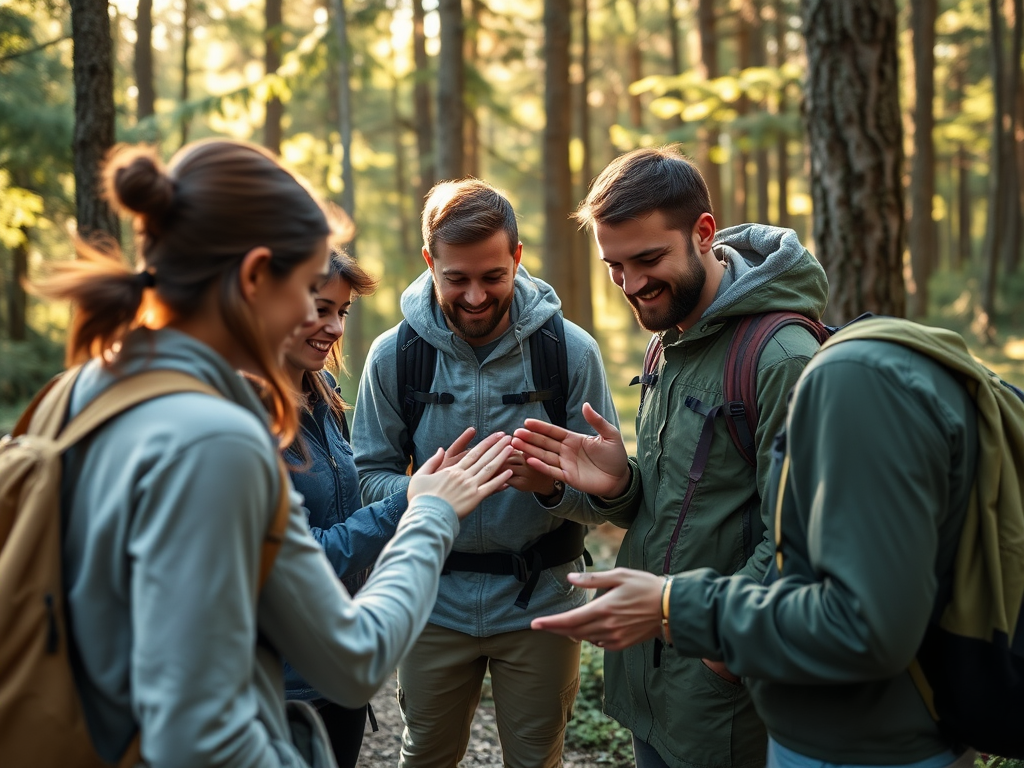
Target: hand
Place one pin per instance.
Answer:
(627, 614)
(454, 453)
(594, 464)
(526, 478)
(473, 478)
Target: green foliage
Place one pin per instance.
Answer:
(590, 730)
(25, 366)
(992, 761)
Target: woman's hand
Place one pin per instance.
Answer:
(470, 480)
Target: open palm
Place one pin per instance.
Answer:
(595, 464)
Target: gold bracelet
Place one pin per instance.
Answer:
(666, 596)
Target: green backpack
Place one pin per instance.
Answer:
(970, 666)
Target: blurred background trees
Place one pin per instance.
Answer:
(888, 133)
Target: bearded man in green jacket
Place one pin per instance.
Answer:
(651, 216)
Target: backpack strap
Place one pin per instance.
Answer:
(547, 347)
(57, 394)
(739, 381)
(275, 533)
(415, 361)
(650, 376)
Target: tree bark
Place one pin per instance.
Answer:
(709, 135)
(782, 142)
(145, 104)
(94, 113)
(186, 39)
(404, 242)
(922, 185)
(450, 86)
(348, 191)
(421, 102)
(855, 136)
(759, 58)
(995, 221)
(561, 261)
(272, 61)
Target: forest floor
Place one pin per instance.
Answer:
(381, 749)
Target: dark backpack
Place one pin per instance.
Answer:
(739, 385)
(416, 361)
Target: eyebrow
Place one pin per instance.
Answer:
(459, 273)
(655, 251)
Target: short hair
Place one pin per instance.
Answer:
(640, 182)
(467, 211)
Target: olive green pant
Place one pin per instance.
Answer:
(534, 679)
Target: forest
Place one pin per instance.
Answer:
(887, 133)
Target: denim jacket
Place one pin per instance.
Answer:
(352, 535)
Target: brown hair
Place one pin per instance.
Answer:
(643, 181)
(467, 211)
(342, 267)
(194, 222)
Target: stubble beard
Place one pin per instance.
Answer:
(685, 295)
(479, 328)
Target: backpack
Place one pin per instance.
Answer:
(970, 666)
(739, 386)
(416, 361)
(41, 717)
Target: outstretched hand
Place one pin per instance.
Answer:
(593, 464)
(470, 480)
(627, 614)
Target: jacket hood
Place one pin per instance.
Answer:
(534, 302)
(167, 349)
(771, 271)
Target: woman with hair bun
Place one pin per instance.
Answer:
(166, 506)
(324, 472)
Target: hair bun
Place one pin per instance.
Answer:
(135, 180)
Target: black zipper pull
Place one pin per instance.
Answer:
(52, 635)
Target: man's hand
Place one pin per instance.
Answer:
(593, 464)
(470, 480)
(526, 478)
(627, 614)
(457, 450)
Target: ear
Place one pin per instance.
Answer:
(517, 256)
(704, 232)
(254, 272)
(428, 259)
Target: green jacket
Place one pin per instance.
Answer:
(883, 446)
(688, 713)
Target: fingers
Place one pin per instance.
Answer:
(599, 579)
(486, 450)
(495, 484)
(577, 623)
(431, 465)
(601, 425)
(544, 428)
(461, 443)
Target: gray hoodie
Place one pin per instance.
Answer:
(480, 604)
(166, 509)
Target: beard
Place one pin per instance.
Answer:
(476, 326)
(684, 295)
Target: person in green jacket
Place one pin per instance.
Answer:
(651, 215)
(876, 468)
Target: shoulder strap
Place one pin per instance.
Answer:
(649, 377)
(57, 396)
(547, 347)
(275, 533)
(739, 382)
(415, 361)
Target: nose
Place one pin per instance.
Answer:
(335, 327)
(632, 282)
(475, 295)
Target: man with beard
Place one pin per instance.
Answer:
(478, 307)
(651, 215)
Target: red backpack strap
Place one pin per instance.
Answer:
(649, 377)
(739, 383)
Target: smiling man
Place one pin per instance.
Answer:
(691, 285)
(486, 321)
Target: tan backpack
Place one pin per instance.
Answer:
(41, 718)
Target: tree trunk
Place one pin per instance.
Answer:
(855, 137)
(421, 100)
(471, 127)
(759, 58)
(1010, 255)
(744, 43)
(17, 301)
(404, 243)
(581, 244)
(636, 69)
(145, 104)
(963, 179)
(995, 222)
(709, 135)
(94, 113)
(272, 61)
(922, 184)
(782, 142)
(562, 268)
(186, 39)
(450, 86)
(348, 191)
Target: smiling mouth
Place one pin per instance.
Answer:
(319, 346)
(480, 311)
(649, 295)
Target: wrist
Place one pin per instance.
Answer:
(554, 495)
(620, 489)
